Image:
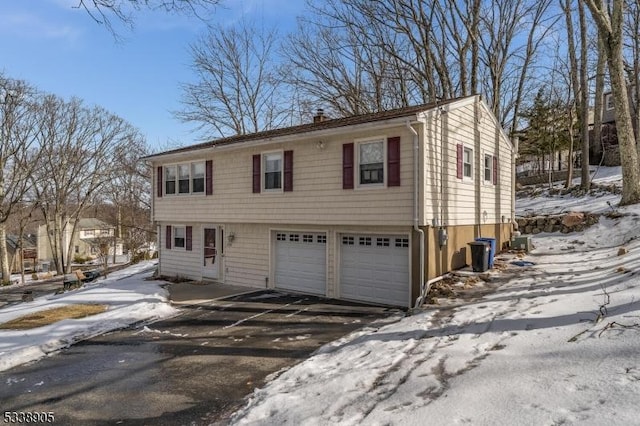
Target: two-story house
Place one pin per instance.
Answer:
(89, 236)
(365, 208)
(608, 143)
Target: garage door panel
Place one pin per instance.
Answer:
(375, 268)
(300, 259)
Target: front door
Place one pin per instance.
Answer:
(211, 260)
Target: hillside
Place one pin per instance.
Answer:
(553, 342)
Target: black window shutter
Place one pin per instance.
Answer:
(393, 161)
(159, 181)
(256, 173)
(188, 238)
(208, 177)
(347, 165)
(288, 171)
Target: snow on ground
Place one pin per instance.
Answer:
(599, 203)
(556, 343)
(130, 299)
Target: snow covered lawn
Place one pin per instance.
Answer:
(130, 299)
(556, 343)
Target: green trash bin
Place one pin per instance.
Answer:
(480, 251)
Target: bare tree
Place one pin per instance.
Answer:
(238, 89)
(578, 80)
(76, 160)
(127, 193)
(17, 121)
(632, 49)
(105, 11)
(610, 22)
(368, 55)
(598, 101)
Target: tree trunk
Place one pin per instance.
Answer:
(583, 115)
(598, 101)
(4, 256)
(610, 32)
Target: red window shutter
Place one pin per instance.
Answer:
(159, 181)
(256, 173)
(288, 170)
(168, 238)
(459, 161)
(393, 161)
(208, 166)
(347, 166)
(188, 244)
(495, 170)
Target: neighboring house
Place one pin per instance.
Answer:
(609, 136)
(91, 234)
(29, 252)
(338, 208)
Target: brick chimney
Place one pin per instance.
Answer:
(319, 117)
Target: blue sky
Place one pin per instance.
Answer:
(60, 49)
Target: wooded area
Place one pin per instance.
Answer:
(542, 66)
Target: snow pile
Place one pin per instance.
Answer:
(130, 299)
(556, 343)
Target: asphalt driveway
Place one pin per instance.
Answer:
(193, 369)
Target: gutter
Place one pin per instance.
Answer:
(416, 228)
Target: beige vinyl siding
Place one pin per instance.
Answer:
(179, 262)
(465, 200)
(246, 259)
(317, 195)
(461, 195)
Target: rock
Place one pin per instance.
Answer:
(540, 222)
(536, 231)
(572, 219)
(622, 250)
(548, 228)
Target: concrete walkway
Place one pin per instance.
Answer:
(190, 292)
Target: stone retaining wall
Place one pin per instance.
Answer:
(557, 176)
(565, 223)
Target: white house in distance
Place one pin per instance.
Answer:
(90, 234)
(364, 208)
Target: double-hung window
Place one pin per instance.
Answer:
(608, 100)
(467, 163)
(170, 180)
(488, 168)
(183, 179)
(187, 178)
(179, 237)
(272, 179)
(371, 162)
(197, 177)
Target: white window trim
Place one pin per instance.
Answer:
(177, 181)
(356, 161)
(165, 180)
(173, 237)
(608, 102)
(263, 171)
(465, 177)
(490, 180)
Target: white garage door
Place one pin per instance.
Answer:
(301, 262)
(375, 268)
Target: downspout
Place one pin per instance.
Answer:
(514, 156)
(416, 195)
